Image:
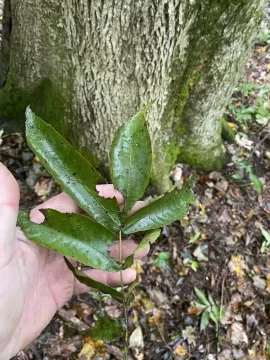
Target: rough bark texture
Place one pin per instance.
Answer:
(86, 66)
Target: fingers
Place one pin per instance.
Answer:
(61, 202)
(107, 278)
(108, 191)
(9, 206)
(137, 206)
(127, 247)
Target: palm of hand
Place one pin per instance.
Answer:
(35, 282)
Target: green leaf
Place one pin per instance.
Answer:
(71, 170)
(213, 318)
(72, 235)
(194, 265)
(161, 261)
(131, 158)
(150, 237)
(201, 296)
(86, 280)
(256, 182)
(204, 320)
(266, 235)
(168, 208)
(106, 329)
(237, 176)
(195, 237)
(211, 300)
(131, 287)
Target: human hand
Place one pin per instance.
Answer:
(35, 281)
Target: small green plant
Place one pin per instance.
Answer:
(246, 87)
(161, 261)
(243, 167)
(264, 36)
(266, 243)
(87, 238)
(193, 263)
(208, 309)
(251, 109)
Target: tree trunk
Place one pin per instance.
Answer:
(86, 66)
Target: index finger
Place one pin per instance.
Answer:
(61, 202)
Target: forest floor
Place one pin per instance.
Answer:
(222, 248)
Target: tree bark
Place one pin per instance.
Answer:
(86, 66)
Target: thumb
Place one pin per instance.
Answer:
(9, 206)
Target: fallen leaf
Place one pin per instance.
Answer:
(43, 187)
(199, 255)
(155, 320)
(189, 335)
(237, 266)
(180, 351)
(136, 338)
(244, 142)
(91, 348)
(225, 216)
(259, 283)
(238, 335)
(137, 266)
(194, 310)
(158, 297)
(268, 283)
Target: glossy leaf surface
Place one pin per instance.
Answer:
(150, 237)
(131, 158)
(86, 280)
(106, 329)
(170, 207)
(71, 170)
(72, 235)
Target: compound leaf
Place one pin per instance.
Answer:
(170, 207)
(71, 170)
(86, 280)
(131, 158)
(72, 235)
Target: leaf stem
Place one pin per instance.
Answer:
(125, 300)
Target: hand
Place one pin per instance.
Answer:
(35, 282)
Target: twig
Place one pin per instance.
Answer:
(125, 300)
(73, 320)
(161, 335)
(114, 351)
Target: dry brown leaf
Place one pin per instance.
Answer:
(180, 351)
(137, 266)
(91, 348)
(268, 283)
(43, 187)
(155, 320)
(237, 266)
(238, 335)
(194, 310)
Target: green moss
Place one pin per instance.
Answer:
(227, 132)
(206, 36)
(45, 99)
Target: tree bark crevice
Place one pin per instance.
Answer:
(5, 42)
